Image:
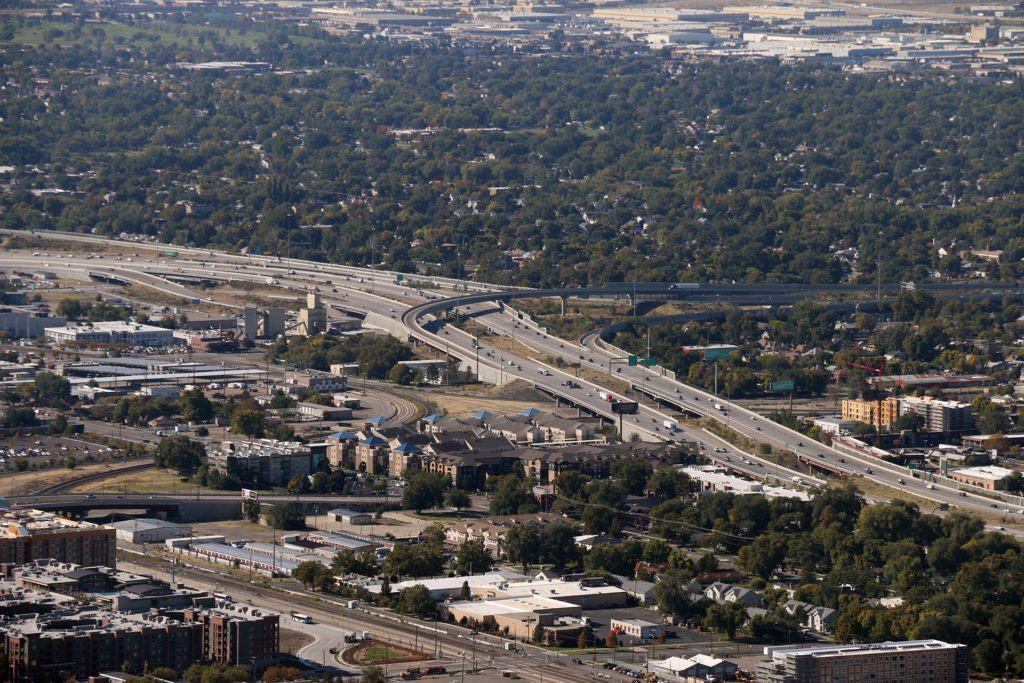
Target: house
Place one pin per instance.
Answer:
(815, 618)
(723, 593)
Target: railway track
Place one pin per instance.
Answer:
(65, 486)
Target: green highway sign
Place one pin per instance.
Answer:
(716, 354)
(783, 386)
(649, 361)
(632, 361)
(399, 277)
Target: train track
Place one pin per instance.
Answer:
(65, 486)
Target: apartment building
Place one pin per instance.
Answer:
(29, 535)
(859, 410)
(914, 661)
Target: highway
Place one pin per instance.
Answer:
(410, 310)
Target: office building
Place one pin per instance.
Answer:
(132, 334)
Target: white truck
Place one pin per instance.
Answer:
(719, 406)
(670, 425)
(605, 395)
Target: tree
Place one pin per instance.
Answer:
(180, 453)
(521, 544)
(612, 639)
(633, 474)
(416, 600)
(49, 386)
(472, 557)
(251, 509)
(558, 545)
(762, 557)
(59, 425)
(457, 498)
(671, 593)
(401, 374)
(308, 571)
(373, 674)
(347, 561)
(249, 422)
(423, 490)
(195, 407)
(727, 618)
(597, 519)
(281, 674)
(20, 416)
(538, 633)
(585, 638)
(287, 517)
(668, 482)
(511, 498)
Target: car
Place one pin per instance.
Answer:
(999, 527)
(800, 444)
(930, 486)
(868, 470)
(842, 459)
(963, 494)
(903, 481)
(576, 660)
(993, 505)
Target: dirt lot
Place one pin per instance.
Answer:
(23, 483)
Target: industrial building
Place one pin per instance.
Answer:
(146, 530)
(29, 535)
(913, 661)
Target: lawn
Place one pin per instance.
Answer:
(379, 653)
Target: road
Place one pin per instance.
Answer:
(368, 291)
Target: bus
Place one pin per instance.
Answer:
(222, 596)
(304, 618)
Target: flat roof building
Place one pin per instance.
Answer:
(149, 530)
(133, 334)
(989, 477)
(913, 661)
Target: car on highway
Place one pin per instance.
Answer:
(903, 481)
(999, 527)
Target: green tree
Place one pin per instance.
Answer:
(195, 407)
(373, 674)
(180, 453)
(416, 600)
(727, 618)
(20, 416)
(308, 571)
(49, 386)
(633, 474)
(249, 422)
(558, 545)
(671, 593)
(287, 517)
(472, 557)
(762, 557)
(457, 498)
(521, 544)
(511, 497)
(424, 490)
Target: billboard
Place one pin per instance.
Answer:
(626, 407)
(250, 494)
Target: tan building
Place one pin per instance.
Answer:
(519, 615)
(859, 410)
(31, 535)
(588, 593)
(989, 477)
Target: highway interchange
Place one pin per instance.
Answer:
(407, 311)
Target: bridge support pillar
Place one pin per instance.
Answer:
(564, 299)
(579, 412)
